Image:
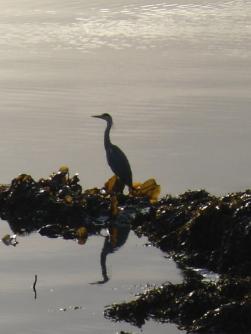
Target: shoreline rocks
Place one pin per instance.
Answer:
(197, 229)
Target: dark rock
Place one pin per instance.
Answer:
(195, 305)
(195, 228)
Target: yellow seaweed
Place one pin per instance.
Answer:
(114, 185)
(114, 206)
(82, 235)
(149, 189)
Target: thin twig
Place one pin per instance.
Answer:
(34, 287)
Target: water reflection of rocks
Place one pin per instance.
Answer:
(199, 230)
(56, 207)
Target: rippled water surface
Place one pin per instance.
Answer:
(175, 75)
(119, 25)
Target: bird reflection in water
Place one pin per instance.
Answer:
(120, 166)
(116, 238)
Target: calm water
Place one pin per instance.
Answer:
(176, 76)
(65, 272)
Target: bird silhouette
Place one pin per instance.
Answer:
(116, 158)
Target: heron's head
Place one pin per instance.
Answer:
(106, 117)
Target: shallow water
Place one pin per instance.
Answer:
(66, 301)
(176, 76)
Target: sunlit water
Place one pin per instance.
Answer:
(176, 76)
(66, 301)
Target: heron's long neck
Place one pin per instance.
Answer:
(107, 140)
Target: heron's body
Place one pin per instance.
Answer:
(116, 158)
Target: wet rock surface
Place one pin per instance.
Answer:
(55, 206)
(195, 305)
(197, 229)
(203, 230)
(58, 206)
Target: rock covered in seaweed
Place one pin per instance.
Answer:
(196, 228)
(199, 230)
(203, 230)
(195, 305)
(53, 205)
(57, 206)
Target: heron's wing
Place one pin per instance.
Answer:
(119, 164)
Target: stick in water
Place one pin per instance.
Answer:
(34, 287)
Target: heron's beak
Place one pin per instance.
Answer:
(97, 116)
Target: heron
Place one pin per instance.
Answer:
(116, 158)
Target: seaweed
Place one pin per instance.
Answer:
(197, 229)
(195, 305)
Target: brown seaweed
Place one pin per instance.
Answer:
(197, 229)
